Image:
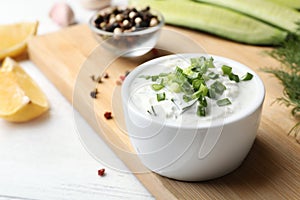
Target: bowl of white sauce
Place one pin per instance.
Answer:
(192, 117)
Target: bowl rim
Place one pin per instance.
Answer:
(125, 91)
(134, 33)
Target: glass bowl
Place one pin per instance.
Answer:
(128, 44)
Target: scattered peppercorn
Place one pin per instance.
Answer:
(118, 82)
(101, 172)
(93, 77)
(107, 115)
(94, 93)
(122, 77)
(105, 75)
(118, 20)
(155, 52)
(127, 73)
(98, 79)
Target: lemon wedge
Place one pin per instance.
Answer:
(20, 97)
(14, 38)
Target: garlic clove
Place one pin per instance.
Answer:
(62, 14)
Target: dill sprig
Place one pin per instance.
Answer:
(288, 54)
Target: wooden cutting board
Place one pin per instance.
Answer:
(272, 168)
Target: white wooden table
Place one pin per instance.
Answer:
(45, 159)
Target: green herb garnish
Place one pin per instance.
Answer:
(288, 54)
(247, 77)
(191, 81)
(154, 78)
(226, 70)
(212, 75)
(201, 111)
(218, 88)
(157, 87)
(234, 77)
(161, 96)
(223, 102)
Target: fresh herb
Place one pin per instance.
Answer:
(234, 77)
(201, 111)
(154, 78)
(157, 87)
(228, 71)
(191, 81)
(288, 54)
(223, 102)
(161, 96)
(212, 75)
(217, 88)
(247, 77)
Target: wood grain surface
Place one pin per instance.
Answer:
(271, 170)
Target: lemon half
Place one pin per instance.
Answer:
(21, 99)
(14, 38)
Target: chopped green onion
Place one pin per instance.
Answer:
(196, 95)
(201, 111)
(186, 98)
(145, 77)
(154, 78)
(161, 96)
(202, 101)
(200, 64)
(234, 77)
(197, 83)
(212, 94)
(157, 87)
(218, 87)
(213, 75)
(223, 102)
(178, 70)
(187, 88)
(174, 87)
(194, 75)
(163, 74)
(210, 63)
(203, 89)
(247, 77)
(226, 70)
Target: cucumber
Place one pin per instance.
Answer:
(289, 3)
(265, 10)
(216, 20)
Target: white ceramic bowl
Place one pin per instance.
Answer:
(192, 153)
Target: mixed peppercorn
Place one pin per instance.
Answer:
(118, 20)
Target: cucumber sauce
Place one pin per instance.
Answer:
(143, 97)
